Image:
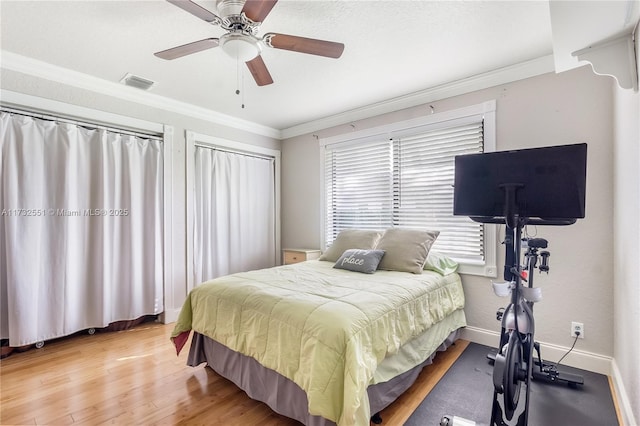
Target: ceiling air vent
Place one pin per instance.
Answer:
(137, 82)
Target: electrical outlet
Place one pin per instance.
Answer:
(577, 327)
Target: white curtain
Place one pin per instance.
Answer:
(81, 228)
(234, 204)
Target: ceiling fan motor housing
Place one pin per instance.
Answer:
(229, 7)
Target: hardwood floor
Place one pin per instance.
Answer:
(134, 377)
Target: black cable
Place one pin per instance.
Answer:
(570, 349)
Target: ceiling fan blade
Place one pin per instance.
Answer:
(259, 71)
(311, 46)
(257, 10)
(187, 49)
(196, 10)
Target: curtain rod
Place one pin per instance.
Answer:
(232, 151)
(85, 124)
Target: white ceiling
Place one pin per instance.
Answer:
(393, 48)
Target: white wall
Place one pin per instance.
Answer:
(552, 109)
(626, 350)
(177, 279)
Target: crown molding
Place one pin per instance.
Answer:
(29, 66)
(504, 75)
(35, 68)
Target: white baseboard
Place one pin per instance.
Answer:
(579, 359)
(624, 403)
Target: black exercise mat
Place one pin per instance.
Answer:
(466, 391)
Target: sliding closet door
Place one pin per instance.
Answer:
(81, 231)
(234, 208)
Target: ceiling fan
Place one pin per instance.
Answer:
(241, 19)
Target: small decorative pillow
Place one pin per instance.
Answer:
(365, 261)
(351, 239)
(440, 263)
(406, 249)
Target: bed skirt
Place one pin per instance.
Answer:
(281, 394)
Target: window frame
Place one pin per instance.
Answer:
(485, 110)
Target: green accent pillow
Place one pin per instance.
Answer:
(440, 263)
(365, 261)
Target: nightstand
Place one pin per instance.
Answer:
(290, 256)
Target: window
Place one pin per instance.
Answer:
(402, 176)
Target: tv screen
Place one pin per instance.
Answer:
(548, 183)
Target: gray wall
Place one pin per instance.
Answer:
(551, 109)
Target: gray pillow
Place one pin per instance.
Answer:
(365, 261)
(406, 249)
(351, 239)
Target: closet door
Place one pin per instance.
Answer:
(234, 207)
(81, 227)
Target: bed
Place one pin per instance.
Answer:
(320, 344)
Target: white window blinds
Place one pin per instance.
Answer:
(405, 181)
(359, 185)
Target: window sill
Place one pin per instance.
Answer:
(483, 270)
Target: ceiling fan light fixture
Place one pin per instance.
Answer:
(240, 46)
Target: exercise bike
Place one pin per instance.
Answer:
(514, 361)
(535, 186)
(547, 371)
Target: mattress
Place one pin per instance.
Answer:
(326, 330)
(286, 398)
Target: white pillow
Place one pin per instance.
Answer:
(406, 250)
(351, 239)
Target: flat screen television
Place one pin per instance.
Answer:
(546, 184)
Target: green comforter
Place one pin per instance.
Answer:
(323, 328)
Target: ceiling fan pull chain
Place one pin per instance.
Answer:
(242, 89)
(237, 75)
(239, 82)
(242, 84)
